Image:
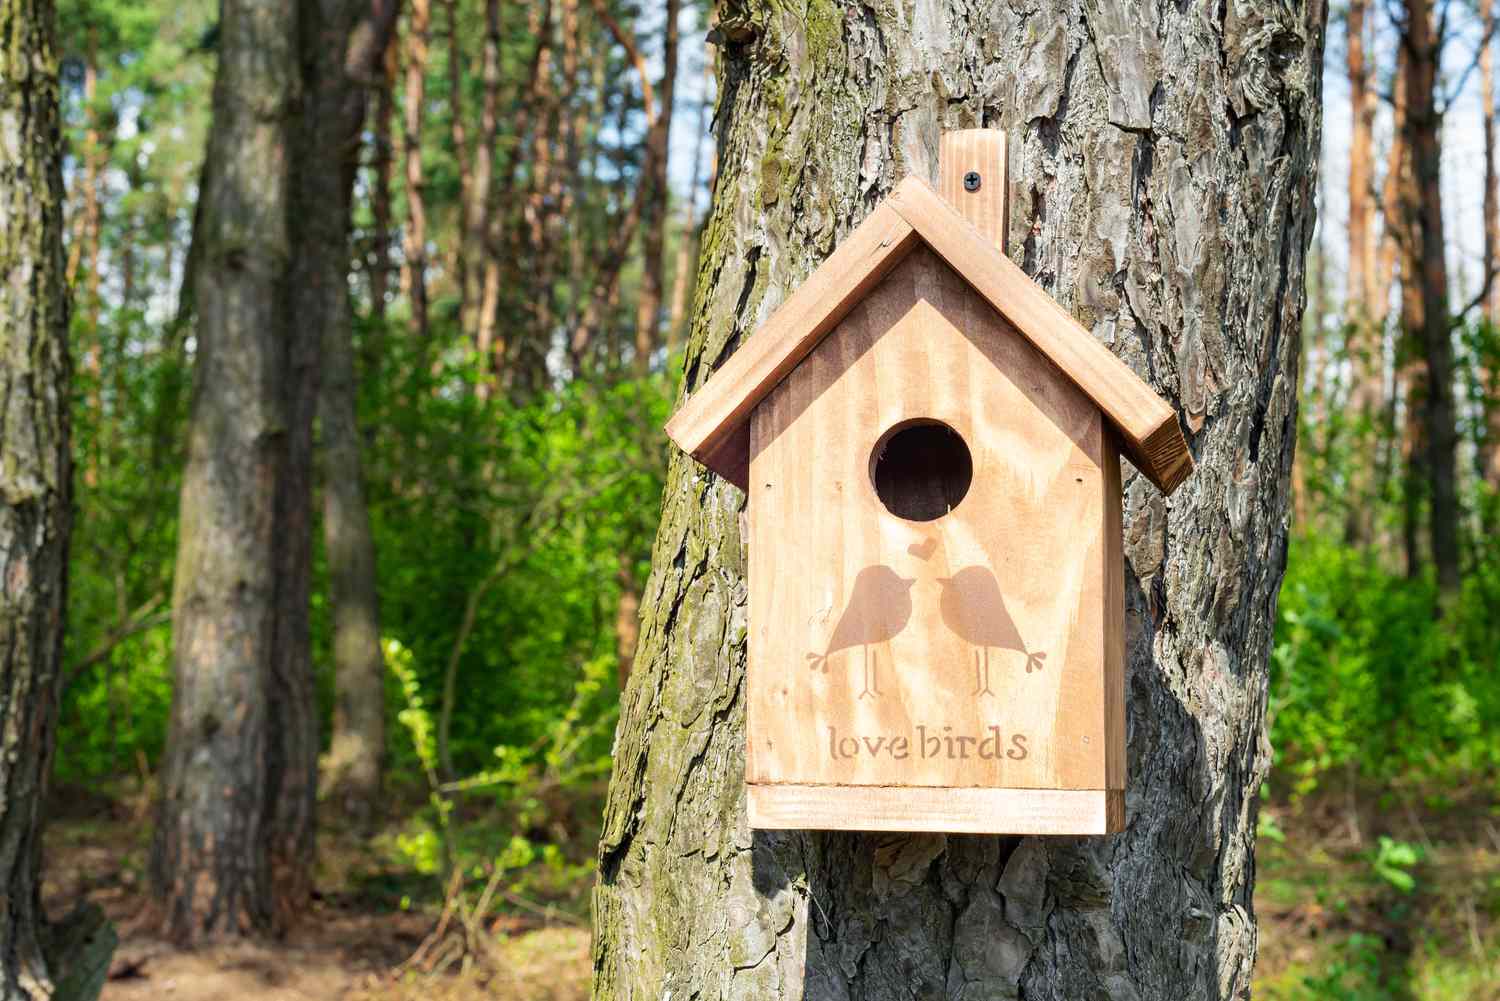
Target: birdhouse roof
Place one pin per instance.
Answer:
(714, 424)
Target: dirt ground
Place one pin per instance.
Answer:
(1336, 921)
(351, 947)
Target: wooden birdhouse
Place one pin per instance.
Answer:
(930, 449)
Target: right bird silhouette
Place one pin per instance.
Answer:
(974, 608)
(878, 610)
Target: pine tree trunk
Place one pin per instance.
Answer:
(654, 200)
(414, 95)
(38, 962)
(1366, 338)
(343, 44)
(1489, 458)
(689, 242)
(1164, 159)
(1424, 124)
(211, 865)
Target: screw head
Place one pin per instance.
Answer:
(972, 181)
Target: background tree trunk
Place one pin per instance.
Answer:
(1366, 337)
(654, 200)
(36, 479)
(1489, 373)
(211, 866)
(1165, 161)
(414, 95)
(1424, 122)
(341, 63)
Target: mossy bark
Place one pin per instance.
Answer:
(37, 961)
(1163, 162)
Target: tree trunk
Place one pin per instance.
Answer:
(211, 863)
(688, 244)
(341, 60)
(654, 200)
(414, 96)
(1489, 458)
(38, 962)
(480, 204)
(384, 161)
(1165, 160)
(1424, 124)
(1366, 338)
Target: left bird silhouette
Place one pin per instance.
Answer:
(974, 608)
(878, 610)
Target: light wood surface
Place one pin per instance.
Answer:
(982, 152)
(1152, 436)
(964, 811)
(1017, 568)
(711, 424)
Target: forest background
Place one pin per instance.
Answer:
(530, 181)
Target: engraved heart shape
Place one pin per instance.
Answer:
(923, 550)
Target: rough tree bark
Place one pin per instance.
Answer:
(38, 960)
(211, 864)
(343, 45)
(1165, 160)
(1423, 48)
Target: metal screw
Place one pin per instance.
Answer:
(971, 181)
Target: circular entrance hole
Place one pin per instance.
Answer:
(921, 470)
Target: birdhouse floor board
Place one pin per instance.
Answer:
(963, 811)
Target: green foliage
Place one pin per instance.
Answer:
(1366, 676)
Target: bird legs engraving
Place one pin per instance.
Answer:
(872, 686)
(982, 673)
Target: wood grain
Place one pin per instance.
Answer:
(712, 425)
(964, 811)
(1017, 568)
(1152, 436)
(984, 152)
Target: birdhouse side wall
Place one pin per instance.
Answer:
(979, 649)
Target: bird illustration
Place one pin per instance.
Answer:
(878, 610)
(974, 608)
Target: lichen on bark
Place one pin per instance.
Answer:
(65, 961)
(1163, 163)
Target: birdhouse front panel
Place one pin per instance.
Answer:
(936, 600)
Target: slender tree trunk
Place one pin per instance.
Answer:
(687, 247)
(458, 132)
(341, 61)
(654, 200)
(480, 199)
(1439, 417)
(1394, 249)
(384, 157)
(1366, 337)
(1184, 146)
(414, 96)
(211, 861)
(38, 961)
(1489, 459)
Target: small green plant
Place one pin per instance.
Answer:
(1393, 861)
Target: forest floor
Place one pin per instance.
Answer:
(1389, 902)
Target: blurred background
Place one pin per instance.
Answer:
(531, 185)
